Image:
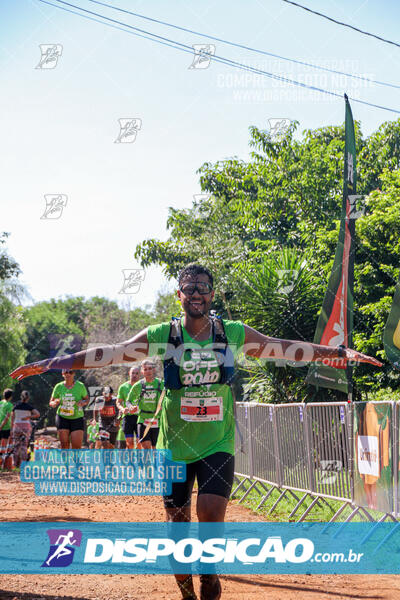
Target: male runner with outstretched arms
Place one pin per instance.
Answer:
(129, 422)
(197, 422)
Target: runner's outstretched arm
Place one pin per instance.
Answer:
(261, 346)
(129, 351)
(256, 344)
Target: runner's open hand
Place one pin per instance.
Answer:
(359, 357)
(34, 368)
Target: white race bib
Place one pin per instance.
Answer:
(67, 408)
(202, 409)
(151, 422)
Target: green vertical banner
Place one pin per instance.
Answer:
(335, 322)
(391, 335)
(373, 456)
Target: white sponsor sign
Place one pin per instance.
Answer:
(368, 455)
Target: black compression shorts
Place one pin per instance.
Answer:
(129, 425)
(5, 434)
(70, 424)
(214, 476)
(151, 435)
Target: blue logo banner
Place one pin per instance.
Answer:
(226, 548)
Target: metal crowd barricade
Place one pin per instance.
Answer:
(329, 429)
(309, 448)
(265, 455)
(292, 446)
(242, 451)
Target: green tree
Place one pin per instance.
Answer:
(202, 233)
(279, 297)
(288, 196)
(12, 328)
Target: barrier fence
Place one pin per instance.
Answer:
(320, 452)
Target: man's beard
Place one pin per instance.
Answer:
(197, 313)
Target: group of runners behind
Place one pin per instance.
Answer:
(117, 421)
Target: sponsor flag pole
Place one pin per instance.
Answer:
(391, 334)
(335, 322)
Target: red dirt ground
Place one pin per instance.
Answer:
(19, 503)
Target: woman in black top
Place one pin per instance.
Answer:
(21, 427)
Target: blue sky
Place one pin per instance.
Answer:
(59, 126)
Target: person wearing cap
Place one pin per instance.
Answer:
(21, 427)
(108, 418)
(69, 397)
(129, 412)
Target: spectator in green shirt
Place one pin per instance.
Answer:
(6, 408)
(93, 433)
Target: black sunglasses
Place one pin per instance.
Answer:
(201, 286)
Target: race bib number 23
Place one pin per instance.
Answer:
(201, 409)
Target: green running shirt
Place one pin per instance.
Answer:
(6, 408)
(123, 392)
(148, 402)
(93, 432)
(197, 421)
(68, 407)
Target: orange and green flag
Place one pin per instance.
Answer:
(335, 322)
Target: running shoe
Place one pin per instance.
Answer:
(210, 587)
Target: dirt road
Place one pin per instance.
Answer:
(19, 503)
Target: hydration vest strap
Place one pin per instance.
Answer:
(175, 334)
(218, 334)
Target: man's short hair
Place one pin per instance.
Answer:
(7, 394)
(149, 361)
(193, 269)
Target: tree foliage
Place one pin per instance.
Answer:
(285, 202)
(12, 330)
